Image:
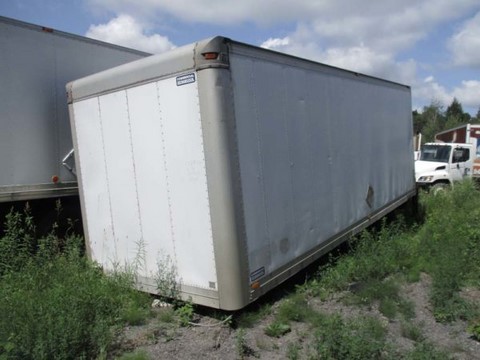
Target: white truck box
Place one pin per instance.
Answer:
(230, 167)
(35, 65)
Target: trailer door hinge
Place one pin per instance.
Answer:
(69, 162)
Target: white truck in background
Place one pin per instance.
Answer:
(36, 63)
(469, 134)
(453, 156)
(441, 164)
(227, 167)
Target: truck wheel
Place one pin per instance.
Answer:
(438, 188)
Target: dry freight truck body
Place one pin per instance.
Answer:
(221, 169)
(35, 65)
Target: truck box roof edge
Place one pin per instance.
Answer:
(178, 60)
(36, 64)
(174, 61)
(56, 32)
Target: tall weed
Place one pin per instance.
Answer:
(55, 303)
(358, 338)
(446, 246)
(18, 242)
(426, 351)
(374, 256)
(449, 248)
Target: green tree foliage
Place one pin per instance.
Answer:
(454, 110)
(455, 116)
(433, 119)
(430, 121)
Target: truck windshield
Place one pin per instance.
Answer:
(438, 153)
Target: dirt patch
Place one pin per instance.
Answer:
(210, 339)
(451, 337)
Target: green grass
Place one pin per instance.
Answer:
(277, 329)
(412, 332)
(426, 351)
(358, 338)
(166, 315)
(251, 316)
(293, 351)
(294, 308)
(55, 303)
(242, 349)
(474, 329)
(133, 314)
(449, 249)
(374, 257)
(136, 355)
(446, 246)
(184, 312)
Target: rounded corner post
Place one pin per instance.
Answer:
(212, 52)
(224, 188)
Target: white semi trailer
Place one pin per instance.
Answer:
(35, 65)
(229, 167)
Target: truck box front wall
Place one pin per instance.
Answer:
(318, 153)
(143, 182)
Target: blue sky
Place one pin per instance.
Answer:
(431, 45)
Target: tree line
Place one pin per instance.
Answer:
(433, 119)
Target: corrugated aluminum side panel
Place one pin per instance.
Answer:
(319, 149)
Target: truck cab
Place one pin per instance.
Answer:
(440, 164)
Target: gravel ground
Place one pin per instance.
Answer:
(212, 340)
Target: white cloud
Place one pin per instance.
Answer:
(275, 11)
(126, 31)
(355, 58)
(465, 44)
(273, 43)
(468, 93)
(385, 25)
(364, 36)
(429, 90)
(368, 38)
(359, 58)
(299, 44)
(219, 11)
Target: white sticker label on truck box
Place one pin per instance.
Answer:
(185, 79)
(257, 274)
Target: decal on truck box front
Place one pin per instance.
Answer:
(185, 79)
